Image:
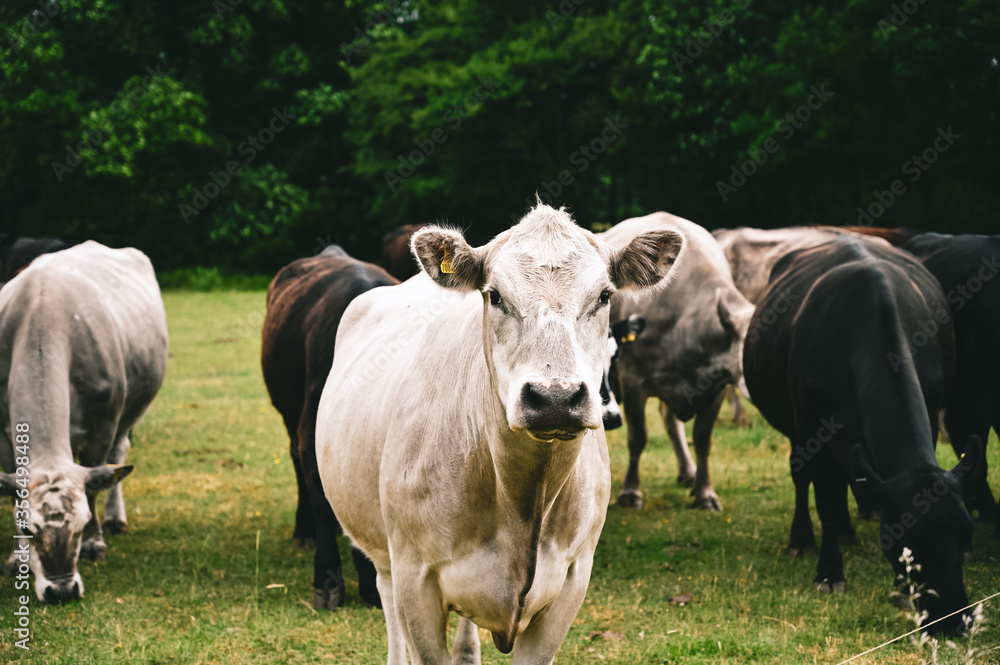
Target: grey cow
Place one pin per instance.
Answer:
(83, 351)
(691, 349)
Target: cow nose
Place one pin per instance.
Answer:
(557, 407)
(62, 593)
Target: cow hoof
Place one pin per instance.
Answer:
(114, 526)
(826, 587)
(329, 599)
(93, 550)
(743, 422)
(630, 499)
(305, 543)
(801, 552)
(967, 558)
(686, 481)
(707, 501)
(903, 601)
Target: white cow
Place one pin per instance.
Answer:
(459, 434)
(83, 351)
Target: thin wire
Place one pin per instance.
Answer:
(917, 630)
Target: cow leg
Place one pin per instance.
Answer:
(115, 520)
(831, 495)
(704, 421)
(740, 417)
(686, 468)
(802, 541)
(304, 535)
(329, 590)
(466, 649)
(422, 616)
(366, 577)
(964, 420)
(634, 406)
(545, 634)
(397, 640)
(93, 547)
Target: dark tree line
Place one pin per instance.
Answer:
(246, 133)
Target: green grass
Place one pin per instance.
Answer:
(189, 583)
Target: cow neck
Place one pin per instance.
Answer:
(38, 392)
(530, 474)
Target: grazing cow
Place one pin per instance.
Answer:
(851, 372)
(691, 349)
(83, 350)
(459, 434)
(966, 268)
(16, 255)
(305, 303)
(396, 255)
(621, 333)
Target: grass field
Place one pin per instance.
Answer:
(208, 573)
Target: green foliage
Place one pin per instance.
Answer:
(407, 111)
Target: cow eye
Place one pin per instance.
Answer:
(495, 298)
(605, 296)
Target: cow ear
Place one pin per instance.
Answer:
(448, 259)
(646, 260)
(636, 324)
(8, 486)
(104, 477)
(971, 468)
(862, 472)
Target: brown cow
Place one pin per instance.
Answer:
(304, 305)
(396, 255)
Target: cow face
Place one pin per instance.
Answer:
(621, 334)
(546, 286)
(923, 510)
(58, 511)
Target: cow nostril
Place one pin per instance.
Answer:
(579, 398)
(532, 398)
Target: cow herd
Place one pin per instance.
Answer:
(453, 425)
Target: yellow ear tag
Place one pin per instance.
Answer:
(446, 263)
(630, 337)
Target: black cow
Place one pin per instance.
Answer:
(851, 371)
(622, 332)
(15, 256)
(966, 267)
(304, 305)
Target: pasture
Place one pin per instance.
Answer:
(208, 573)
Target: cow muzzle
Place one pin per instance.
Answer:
(555, 409)
(62, 589)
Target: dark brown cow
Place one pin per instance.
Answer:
(16, 255)
(396, 255)
(304, 305)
